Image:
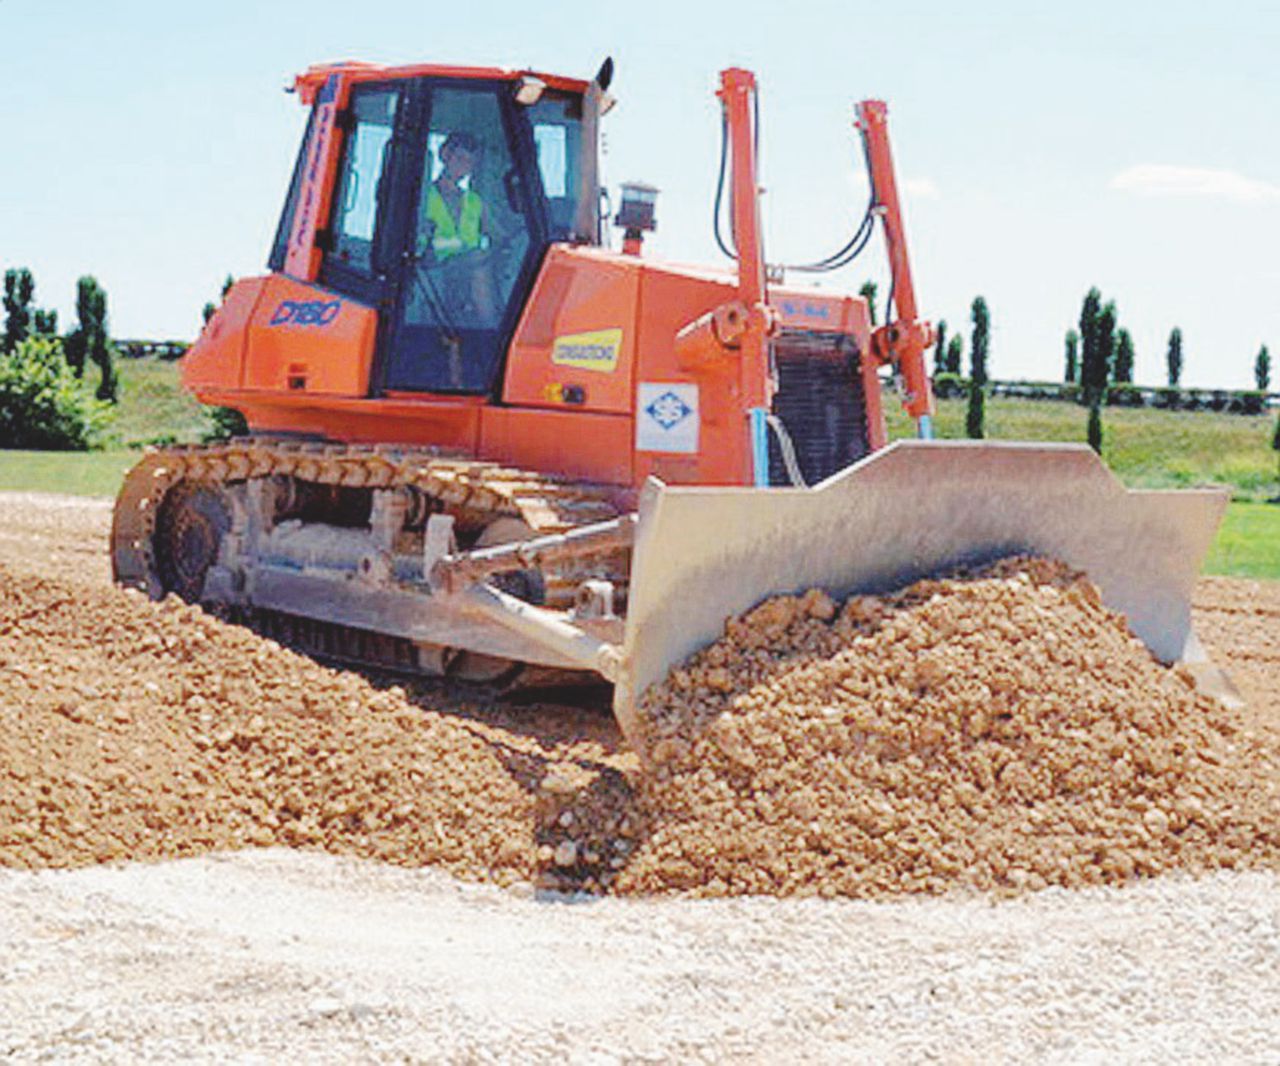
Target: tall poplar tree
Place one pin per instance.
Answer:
(89, 341)
(868, 293)
(940, 349)
(975, 416)
(1124, 359)
(19, 291)
(955, 354)
(1173, 358)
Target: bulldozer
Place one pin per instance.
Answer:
(486, 444)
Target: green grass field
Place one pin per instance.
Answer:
(1248, 543)
(1146, 449)
(153, 406)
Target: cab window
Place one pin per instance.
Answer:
(364, 163)
(557, 140)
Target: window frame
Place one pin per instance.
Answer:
(572, 165)
(280, 246)
(366, 286)
(407, 193)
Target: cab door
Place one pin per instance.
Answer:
(360, 242)
(472, 240)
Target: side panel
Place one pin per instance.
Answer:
(596, 447)
(576, 342)
(216, 360)
(303, 338)
(690, 426)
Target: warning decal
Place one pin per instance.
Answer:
(667, 418)
(597, 350)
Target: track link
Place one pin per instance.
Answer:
(475, 491)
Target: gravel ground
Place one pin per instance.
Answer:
(63, 535)
(252, 956)
(259, 955)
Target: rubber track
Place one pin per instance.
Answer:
(469, 488)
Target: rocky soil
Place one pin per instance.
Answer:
(997, 731)
(1004, 730)
(130, 729)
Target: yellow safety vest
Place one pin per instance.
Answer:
(454, 236)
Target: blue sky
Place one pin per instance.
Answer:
(1045, 149)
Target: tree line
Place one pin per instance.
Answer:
(1114, 351)
(88, 342)
(1098, 355)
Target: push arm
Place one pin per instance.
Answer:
(903, 339)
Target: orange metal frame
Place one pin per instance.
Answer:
(903, 340)
(599, 327)
(309, 83)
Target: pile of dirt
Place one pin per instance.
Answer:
(1001, 731)
(131, 729)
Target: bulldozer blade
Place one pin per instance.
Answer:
(705, 554)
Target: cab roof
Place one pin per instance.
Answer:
(308, 83)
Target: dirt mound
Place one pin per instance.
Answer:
(132, 729)
(1003, 731)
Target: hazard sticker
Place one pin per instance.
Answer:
(667, 418)
(597, 350)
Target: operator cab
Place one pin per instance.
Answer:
(448, 192)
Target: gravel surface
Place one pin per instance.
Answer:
(263, 955)
(63, 535)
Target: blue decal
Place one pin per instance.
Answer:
(668, 410)
(329, 91)
(306, 312)
(803, 310)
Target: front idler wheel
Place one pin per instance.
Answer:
(190, 524)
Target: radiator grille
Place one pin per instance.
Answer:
(820, 403)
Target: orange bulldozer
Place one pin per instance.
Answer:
(485, 444)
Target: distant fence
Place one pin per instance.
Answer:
(1230, 401)
(138, 349)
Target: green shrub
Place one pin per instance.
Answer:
(1170, 399)
(225, 423)
(43, 405)
(1275, 445)
(1124, 396)
(948, 386)
(1248, 403)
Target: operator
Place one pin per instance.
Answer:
(456, 214)
(456, 228)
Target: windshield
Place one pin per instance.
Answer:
(557, 139)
